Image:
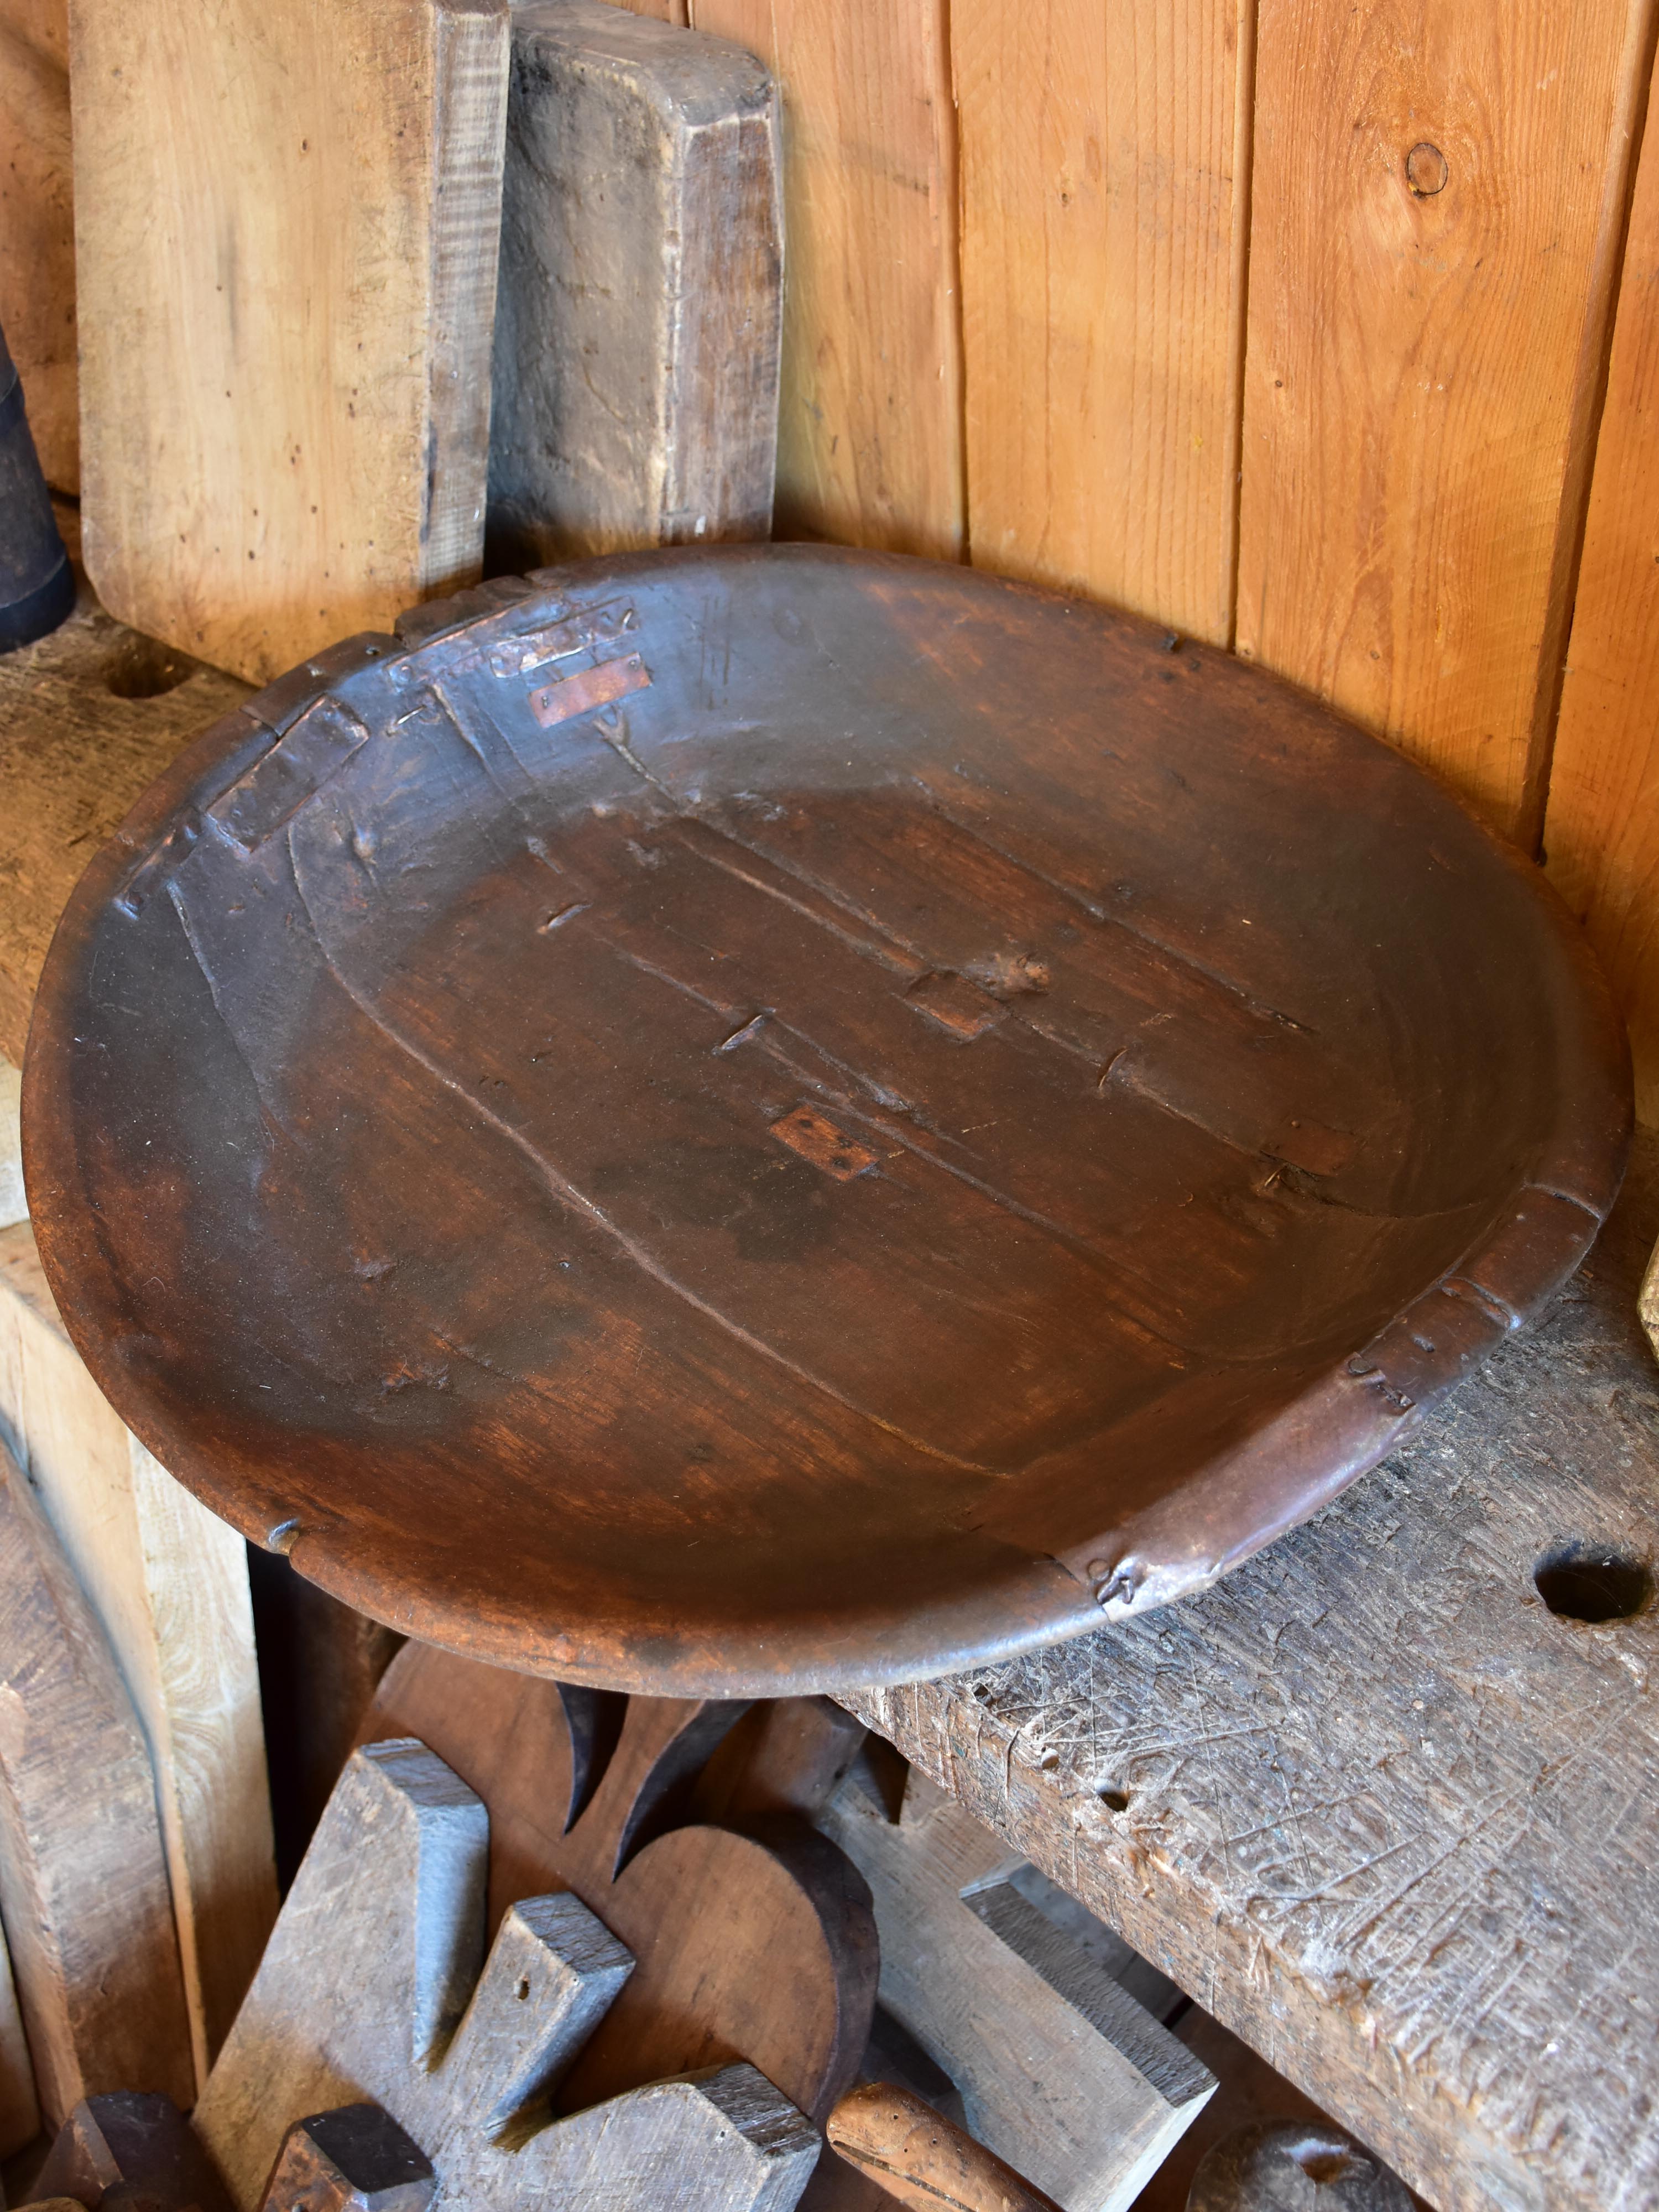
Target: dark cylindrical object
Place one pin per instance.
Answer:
(37, 585)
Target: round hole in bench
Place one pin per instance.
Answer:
(1592, 1582)
(144, 668)
(1113, 1798)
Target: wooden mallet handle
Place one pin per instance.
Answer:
(923, 2160)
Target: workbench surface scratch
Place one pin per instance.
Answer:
(1383, 1812)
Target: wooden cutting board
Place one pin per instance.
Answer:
(287, 224)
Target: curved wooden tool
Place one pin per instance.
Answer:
(755, 1941)
(924, 2159)
(371, 1986)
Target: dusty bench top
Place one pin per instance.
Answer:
(1370, 1801)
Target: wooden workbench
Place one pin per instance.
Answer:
(1368, 1801)
(1382, 1812)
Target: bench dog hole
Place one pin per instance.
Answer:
(1592, 1582)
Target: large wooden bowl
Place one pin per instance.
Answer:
(727, 1122)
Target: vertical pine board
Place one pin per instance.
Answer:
(1422, 369)
(1104, 191)
(37, 226)
(869, 433)
(287, 215)
(1601, 833)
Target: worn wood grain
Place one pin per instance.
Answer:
(1104, 155)
(1424, 361)
(639, 320)
(88, 716)
(1062, 2075)
(847, 969)
(286, 248)
(83, 1885)
(870, 434)
(1602, 832)
(376, 1984)
(37, 227)
(1370, 1801)
(167, 1583)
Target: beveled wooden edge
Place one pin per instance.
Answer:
(1366, 1404)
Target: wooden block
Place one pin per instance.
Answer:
(1435, 221)
(83, 1884)
(37, 227)
(356, 2159)
(320, 1663)
(137, 2150)
(88, 716)
(167, 1583)
(1105, 211)
(1276, 2169)
(1600, 836)
(639, 322)
(869, 432)
(1062, 2074)
(921, 2159)
(754, 1941)
(372, 1984)
(286, 246)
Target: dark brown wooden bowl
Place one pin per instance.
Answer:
(747, 1119)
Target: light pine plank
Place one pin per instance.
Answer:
(37, 226)
(1103, 243)
(870, 431)
(287, 217)
(167, 1583)
(1601, 834)
(1422, 368)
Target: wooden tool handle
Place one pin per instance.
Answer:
(923, 2160)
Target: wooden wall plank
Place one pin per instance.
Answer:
(1104, 216)
(1601, 833)
(167, 1583)
(869, 433)
(37, 227)
(286, 228)
(1424, 365)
